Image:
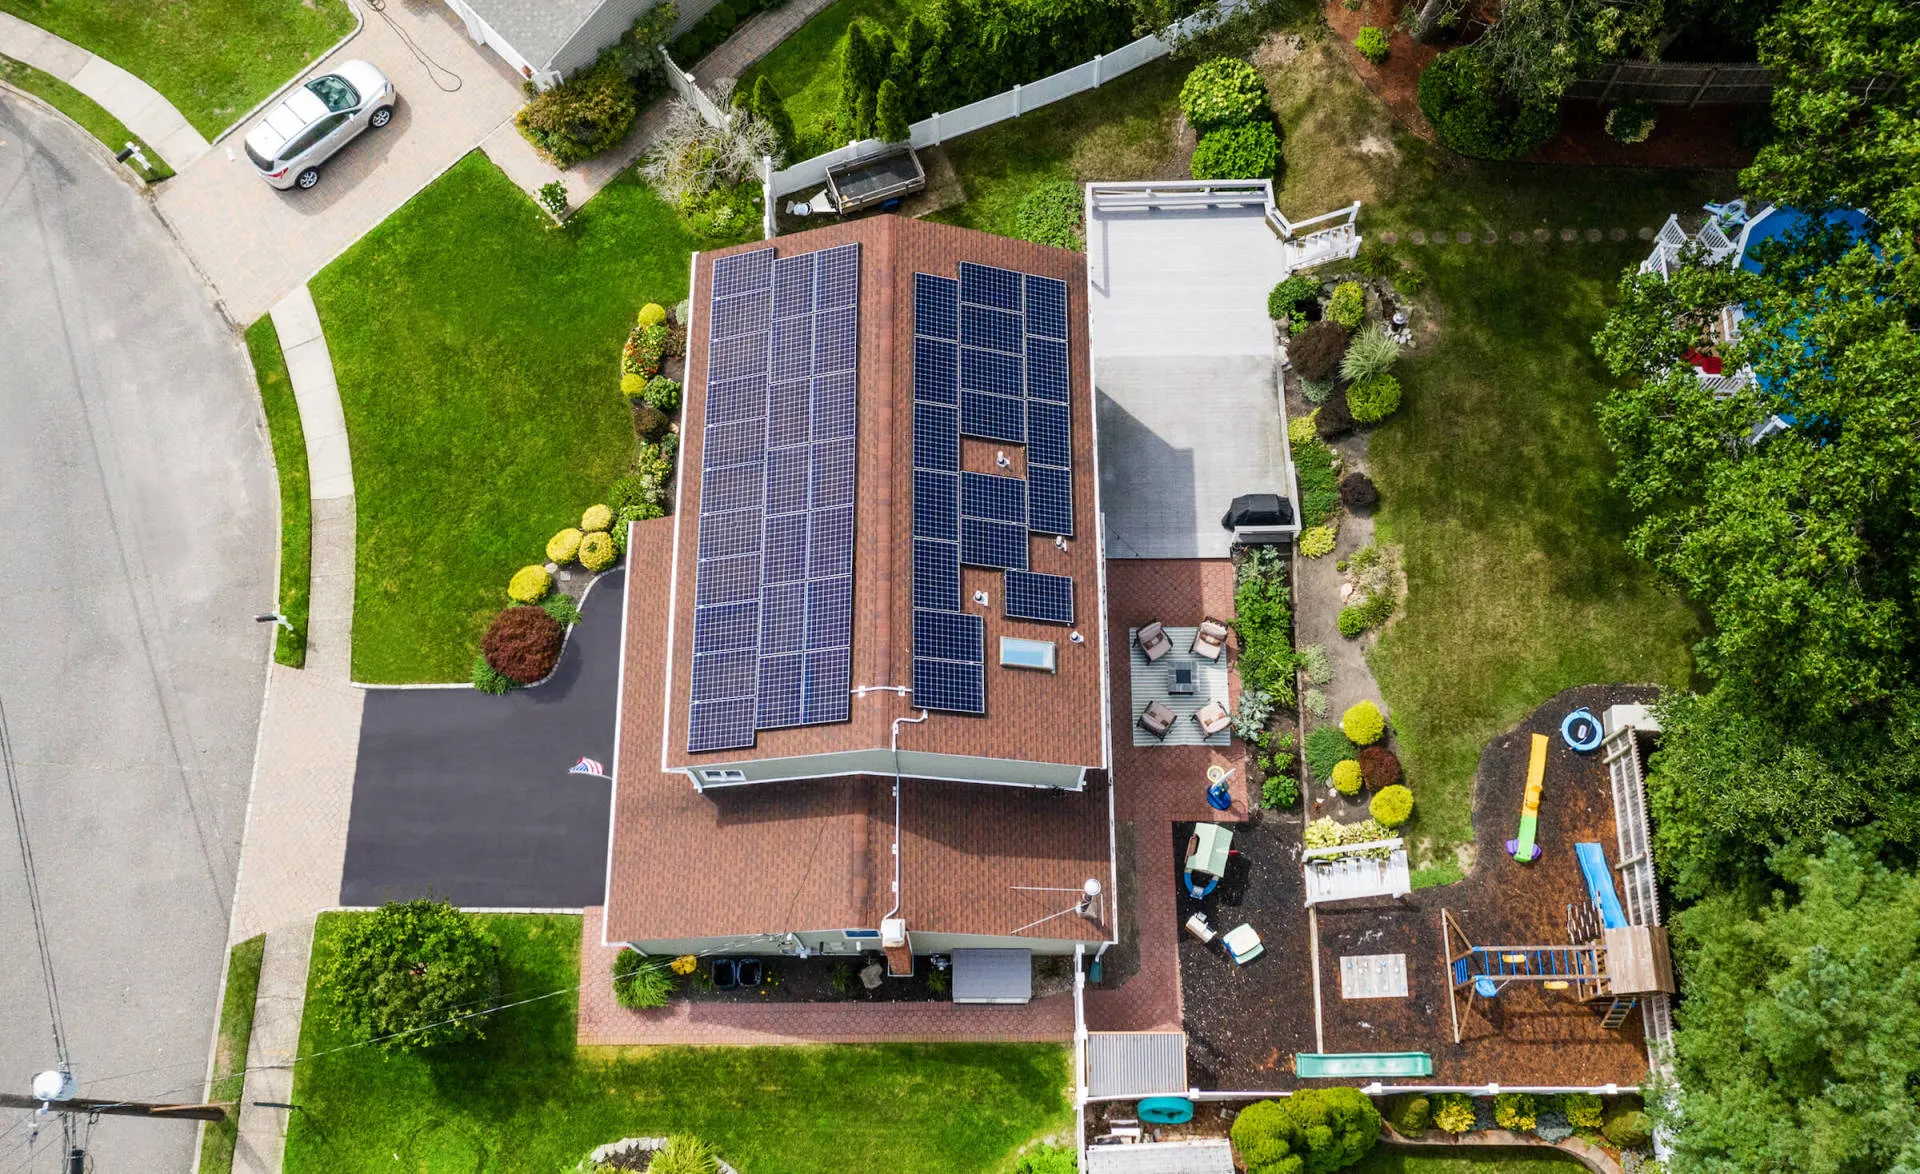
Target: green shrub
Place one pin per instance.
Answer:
(1347, 306)
(1316, 352)
(553, 197)
(1279, 791)
(1248, 151)
(684, 1154)
(1316, 542)
(529, 584)
(1318, 391)
(1319, 493)
(640, 982)
(1585, 1110)
(661, 394)
(1052, 214)
(649, 422)
(488, 679)
(1372, 44)
(1453, 1112)
(564, 547)
(1626, 1127)
(562, 608)
(1315, 663)
(1372, 352)
(1409, 281)
(580, 117)
(1363, 723)
(1353, 622)
(652, 314)
(1631, 122)
(1225, 92)
(632, 385)
(1300, 431)
(1286, 296)
(596, 517)
(1374, 398)
(1514, 1111)
(1345, 777)
(1263, 618)
(1316, 1130)
(1327, 747)
(398, 974)
(1410, 1113)
(1470, 113)
(1044, 1159)
(597, 552)
(1391, 806)
(1335, 419)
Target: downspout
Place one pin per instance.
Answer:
(895, 745)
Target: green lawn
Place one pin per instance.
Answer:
(1408, 1160)
(92, 117)
(477, 351)
(213, 59)
(805, 68)
(296, 495)
(230, 1056)
(526, 1099)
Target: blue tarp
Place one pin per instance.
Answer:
(1593, 863)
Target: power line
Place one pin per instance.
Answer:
(33, 893)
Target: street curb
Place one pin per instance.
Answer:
(93, 144)
(359, 22)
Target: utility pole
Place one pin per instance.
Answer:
(83, 1105)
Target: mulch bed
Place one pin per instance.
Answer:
(811, 980)
(1704, 136)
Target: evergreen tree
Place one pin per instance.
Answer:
(890, 114)
(770, 108)
(859, 82)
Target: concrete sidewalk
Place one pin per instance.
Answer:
(121, 94)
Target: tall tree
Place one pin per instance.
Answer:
(770, 108)
(890, 114)
(860, 73)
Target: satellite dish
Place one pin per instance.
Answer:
(54, 1085)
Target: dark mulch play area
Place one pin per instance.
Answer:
(1245, 1025)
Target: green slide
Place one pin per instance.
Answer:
(1353, 1064)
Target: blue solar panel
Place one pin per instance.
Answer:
(1033, 596)
(836, 339)
(830, 542)
(949, 635)
(1047, 370)
(728, 627)
(732, 487)
(998, 330)
(729, 534)
(793, 286)
(989, 371)
(792, 349)
(992, 544)
(743, 357)
(835, 407)
(728, 580)
(827, 690)
(736, 399)
(936, 437)
(787, 407)
(991, 417)
(988, 286)
(783, 617)
(720, 725)
(837, 277)
(723, 675)
(832, 475)
(1050, 500)
(998, 499)
(783, 557)
(749, 313)
(779, 692)
(949, 686)
(1049, 441)
(742, 272)
(1046, 306)
(936, 574)
(936, 505)
(829, 613)
(936, 371)
(741, 442)
(936, 306)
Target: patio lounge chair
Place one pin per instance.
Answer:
(1210, 639)
(1213, 717)
(1153, 641)
(1157, 719)
(1243, 943)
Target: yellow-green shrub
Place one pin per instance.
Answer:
(1346, 777)
(1363, 723)
(563, 547)
(652, 314)
(633, 386)
(1300, 429)
(1391, 806)
(1316, 542)
(1453, 1112)
(596, 551)
(597, 517)
(529, 584)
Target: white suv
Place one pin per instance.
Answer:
(301, 133)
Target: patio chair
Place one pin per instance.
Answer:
(1157, 719)
(1153, 641)
(1210, 639)
(1243, 943)
(1213, 717)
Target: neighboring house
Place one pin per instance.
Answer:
(864, 683)
(547, 40)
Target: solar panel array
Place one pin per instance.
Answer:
(773, 593)
(989, 361)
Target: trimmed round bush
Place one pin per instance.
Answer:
(1316, 352)
(563, 547)
(650, 422)
(597, 517)
(1514, 1111)
(529, 584)
(1391, 806)
(1363, 723)
(1248, 151)
(1372, 44)
(1221, 93)
(652, 314)
(523, 644)
(1627, 1128)
(1469, 112)
(1316, 542)
(1348, 305)
(399, 974)
(1453, 1112)
(1346, 777)
(661, 394)
(1410, 1113)
(632, 385)
(1353, 622)
(1287, 295)
(1373, 399)
(1357, 491)
(597, 551)
(1380, 767)
(1631, 122)
(1585, 1110)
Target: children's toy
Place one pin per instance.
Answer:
(1166, 1110)
(1580, 730)
(1523, 847)
(1208, 850)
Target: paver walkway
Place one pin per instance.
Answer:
(123, 95)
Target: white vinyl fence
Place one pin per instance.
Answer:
(683, 84)
(1012, 103)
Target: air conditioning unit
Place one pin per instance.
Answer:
(893, 932)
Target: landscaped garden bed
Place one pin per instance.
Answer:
(822, 978)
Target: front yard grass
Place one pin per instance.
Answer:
(296, 494)
(230, 1053)
(527, 1099)
(213, 59)
(477, 351)
(92, 117)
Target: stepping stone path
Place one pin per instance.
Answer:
(1538, 236)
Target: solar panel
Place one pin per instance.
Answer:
(936, 306)
(779, 692)
(949, 686)
(836, 338)
(1047, 370)
(991, 417)
(837, 277)
(936, 505)
(1046, 306)
(792, 349)
(998, 499)
(729, 534)
(742, 272)
(741, 442)
(736, 399)
(783, 617)
(728, 627)
(936, 437)
(788, 405)
(835, 407)
(723, 675)
(1048, 440)
(748, 313)
(990, 371)
(793, 286)
(992, 544)
(1033, 596)
(936, 370)
(988, 286)
(783, 558)
(936, 574)
(742, 357)
(787, 480)
(999, 330)
(720, 725)
(1050, 500)
(949, 635)
(730, 487)
(829, 613)
(833, 462)
(826, 691)
(830, 542)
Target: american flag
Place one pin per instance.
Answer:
(588, 766)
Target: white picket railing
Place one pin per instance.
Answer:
(682, 83)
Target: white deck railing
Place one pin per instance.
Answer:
(1335, 234)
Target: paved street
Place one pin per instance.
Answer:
(137, 535)
(467, 797)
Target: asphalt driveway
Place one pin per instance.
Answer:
(466, 797)
(137, 541)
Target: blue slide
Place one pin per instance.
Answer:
(1593, 863)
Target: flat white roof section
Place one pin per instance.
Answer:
(1137, 1063)
(1211, 1156)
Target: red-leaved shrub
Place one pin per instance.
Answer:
(1357, 491)
(1317, 351)
(1379, 767)
(523, 644)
